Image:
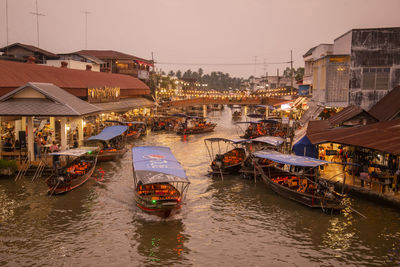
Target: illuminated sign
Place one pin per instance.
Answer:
(103, 94)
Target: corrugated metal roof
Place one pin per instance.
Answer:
(31, 48)
(14, 75)
(125, 104)
(347, 114)
(309, 52)
(57, 102)
(110, 54)
(312, 112)
(388, 107)
(382, 136)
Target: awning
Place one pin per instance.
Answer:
(75, 152)
(272, 140)
(232, 140)
(125, 104)
(157, 164)
(290, 159)
(109, 133)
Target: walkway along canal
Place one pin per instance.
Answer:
(224, 222)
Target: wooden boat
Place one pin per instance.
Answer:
(271, 143)
(259, 128)
(227, 155)
(303, 188)
(197, 126)
(78, 167)
(236, 112)
(160, 181)
(111, 141)
(135, 128)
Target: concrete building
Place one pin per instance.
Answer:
(360, 68)
(77, 62)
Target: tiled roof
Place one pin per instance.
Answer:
(31, 48)
(57, 102)
(388, 107)
(14, 75)
(382, 136)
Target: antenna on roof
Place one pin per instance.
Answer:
(86, 13)
(37, 14)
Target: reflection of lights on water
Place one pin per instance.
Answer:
(179, 246)
(155, 243)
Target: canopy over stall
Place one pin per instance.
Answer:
(290, 159)
(109, 133)
(157, 164)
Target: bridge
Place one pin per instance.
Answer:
(223, 101)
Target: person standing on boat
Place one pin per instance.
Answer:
(56, 158)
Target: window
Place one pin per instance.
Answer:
(375, 78)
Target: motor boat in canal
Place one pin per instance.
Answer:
(111, 141)
(226, 155)
(236, 112)
(259, 128)
(302, 187)
(271, 143)
(73, 167)
(135, 129)
(160, 180)
(195, 125)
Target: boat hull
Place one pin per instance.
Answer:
(310, 200)
(110, 156)
(196, 130)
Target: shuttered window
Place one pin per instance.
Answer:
(375, 78)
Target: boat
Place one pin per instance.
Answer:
(160, 181)
(135, 128)
(195, 125)
(236, 112)
(77, 167)
(259, 128)
(271, 143)
(112, 142)
(226, 155)
(303, 187)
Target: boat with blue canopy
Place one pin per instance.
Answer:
(226, 154)
(111, 141)
(160, 180)
(72, 168)
(135, 128)
(295, 177)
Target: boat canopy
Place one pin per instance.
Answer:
(269, 121)
(290, 159)
(246, 122)
(133, 122)
(109, 133)
(75, 152)
(157, 164)
(272, 140)
(255, 115)
(232, 140)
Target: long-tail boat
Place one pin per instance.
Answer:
(226, 155)
(160, 181)
(112, 142)
(195, 125)
(303, 187)
(73, 167)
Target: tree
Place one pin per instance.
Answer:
(171, 73)
(299, 74)
(179, 74)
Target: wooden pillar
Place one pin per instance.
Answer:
(18, 128)
(63, 133)
(52, 124)
(245, 111)
(266, 111)
(204, 111)
(23, 124)
(31, 151)
(80, 131)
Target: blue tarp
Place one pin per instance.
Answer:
(290, 159)
(109, 133)
(305, 148)
(157, 164)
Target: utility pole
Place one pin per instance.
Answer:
(7, 21)
(291, 73)
(37, 14)
(86, 13)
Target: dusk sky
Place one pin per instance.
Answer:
(193, 31)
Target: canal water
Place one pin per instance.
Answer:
(230, 222)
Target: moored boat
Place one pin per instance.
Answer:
(73, 167)
(160, 181)
(304, 188)
(195, 126)
(226, 155)
(112, 142)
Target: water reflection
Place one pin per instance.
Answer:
(161, 241)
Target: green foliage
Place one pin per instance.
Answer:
(297, 74)
(5, 164)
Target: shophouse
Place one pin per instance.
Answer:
(22, 52)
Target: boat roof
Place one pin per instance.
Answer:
(109, 133)
(75, 152)
(157, 164)
(290, 159)
(125, 122)
(255, 115)
(231, 140)
(269, 121)
(271, 140)
(248, 122)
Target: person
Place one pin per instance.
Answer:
(54, 147)
(396, 180)
(56, 158)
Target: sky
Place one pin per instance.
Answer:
(239, 37)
